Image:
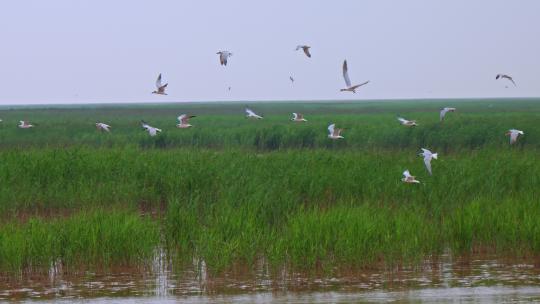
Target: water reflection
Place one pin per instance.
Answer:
(478, 279)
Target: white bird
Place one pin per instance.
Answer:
(297, 117)
(444, 111)
(506, 77)
(224, 56)
(160, 88)
(151, 130)
(183, 121)
(408, 178)
(102, 127)
(333, 132)
(305, 48)
(407, 123)
(251, 114)
(350, 88)
(427, 158)
(24, 124)
(514, 135)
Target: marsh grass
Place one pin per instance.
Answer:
(368, 125)
(232, 191)
(96, 239)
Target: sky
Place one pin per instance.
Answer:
(88, 51)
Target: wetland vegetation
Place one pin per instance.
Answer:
(231, 190)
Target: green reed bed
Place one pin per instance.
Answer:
(276, 182)
(97, 239)
(232, 191)
(368, 125)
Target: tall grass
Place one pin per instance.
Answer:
(368, 125)
(231, 190)
(276, 182)
(95, 239)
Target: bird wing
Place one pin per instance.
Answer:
(250, 112)
(346, 74)
(509, 78)
(402, 120)
(298, 47)
(359, 85)
(331, 129)
(223, 58)
(443, 113)
(144, 125)
(161, 89)
(513, 137)
(406, 174)
(306, 51)
(181, 118)
(427, 162)
(295, 115)
(220, 57)
(158, 82)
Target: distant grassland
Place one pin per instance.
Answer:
(232, 190)
(368, 125)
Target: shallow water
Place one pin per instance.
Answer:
(471, 280)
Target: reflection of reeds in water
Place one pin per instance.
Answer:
(161, 270)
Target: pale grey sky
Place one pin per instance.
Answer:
(77, 51)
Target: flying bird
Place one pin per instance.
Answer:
(103, 127)
(25, 124)
(408, 178)
(350, 88)
(224, 56)
(505, 77)
(305, 48)
(407, 123)
(514, 134)
(251, 114)
(151, 130)
(183, 121)
(297, 117)
(444, 111)
(292, 79)
(333, 132)
(428, 156)
(160, 88)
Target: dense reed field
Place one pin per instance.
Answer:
(230, 190)
(369, 125)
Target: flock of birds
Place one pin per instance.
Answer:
(333, 132)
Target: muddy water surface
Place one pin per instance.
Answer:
(474, 280)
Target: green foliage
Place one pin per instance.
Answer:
(97, 238)
(233, 190)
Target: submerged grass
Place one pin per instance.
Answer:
(231, 190)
